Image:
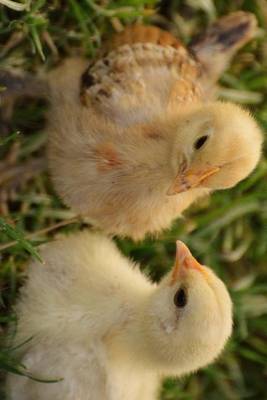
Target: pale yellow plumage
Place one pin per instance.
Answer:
(103, 327)
(124, 133)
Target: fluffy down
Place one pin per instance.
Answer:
(97, 323)
(134, 137)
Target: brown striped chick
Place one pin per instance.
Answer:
(137, 137)
(105, 332)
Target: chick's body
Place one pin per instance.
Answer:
(72, 306)
(116, 178)
(97, 322)
(125, 130)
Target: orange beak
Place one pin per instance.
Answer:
(184, 261)
(190, 179)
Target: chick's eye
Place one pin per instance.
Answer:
(180, 298)
(200, 142)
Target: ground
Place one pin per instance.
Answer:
(227, 231)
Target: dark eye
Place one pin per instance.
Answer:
(180, 298)
(200, 142)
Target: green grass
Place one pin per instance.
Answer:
(227, 232)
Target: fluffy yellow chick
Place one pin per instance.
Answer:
(136, 137)
(99, 324)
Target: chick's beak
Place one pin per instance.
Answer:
(184, 262)
(190, 179)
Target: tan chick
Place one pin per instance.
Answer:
(136, 137)
(100, 325)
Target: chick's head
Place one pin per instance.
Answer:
(218, 145)
(190, 316)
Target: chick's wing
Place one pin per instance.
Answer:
(143, 71)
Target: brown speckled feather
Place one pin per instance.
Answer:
(124, 84)
(143, 34)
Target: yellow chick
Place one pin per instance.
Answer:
(98, 324)
(136, 137)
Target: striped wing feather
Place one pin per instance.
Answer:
(144, 71)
